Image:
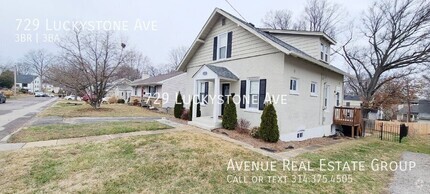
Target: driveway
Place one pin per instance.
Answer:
(15, 113)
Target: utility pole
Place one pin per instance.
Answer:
(14, 81)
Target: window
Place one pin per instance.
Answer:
(135, 91)
(300, 134)
(348, 104)
(294, 86)
(325, 51)
(222, 21)
(326, 95)
(254, 87)
(313, 88)
(24, 85)
(222, 46)
(152, 90)
(202, 93)
(337, 99)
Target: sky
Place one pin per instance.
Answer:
(149, 26)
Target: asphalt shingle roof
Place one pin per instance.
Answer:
(25, 79)
(222, 72)
(156, 79)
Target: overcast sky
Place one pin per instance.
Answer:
(177, 22)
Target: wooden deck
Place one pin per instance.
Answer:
(348, 116)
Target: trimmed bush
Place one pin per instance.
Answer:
(229, 119)
(179, 106)
(269, 130)
(121, 101)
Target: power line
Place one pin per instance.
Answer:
(235, 10)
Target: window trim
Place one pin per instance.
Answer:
(202, 93)
(315, 92)
(219, 46)
(248, 93)
(296, 90)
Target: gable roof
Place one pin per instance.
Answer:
(25, 79)
(156, 80)
(222, 72)
(352, 97)
(300, 32)
(265, 36)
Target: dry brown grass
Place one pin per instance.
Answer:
(184, 162)
(65, 108)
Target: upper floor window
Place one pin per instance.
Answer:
(222, 46)
(325, 52)
(294, 86)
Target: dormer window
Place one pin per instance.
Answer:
(222, 46)
(325, 51)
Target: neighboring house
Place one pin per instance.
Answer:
(231, 57)
(352, 101)
(28, 82)
(120, 89)
(162, 88)
(419, 112)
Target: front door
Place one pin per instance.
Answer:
(225, 91)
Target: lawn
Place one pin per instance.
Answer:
(183, 162)
(62, 131)
(66, 108)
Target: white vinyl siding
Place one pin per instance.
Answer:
(244, 44)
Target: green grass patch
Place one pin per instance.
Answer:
(185, 162)
(62, 131)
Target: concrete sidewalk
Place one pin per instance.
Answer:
(101, 138)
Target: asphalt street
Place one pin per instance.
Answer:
(15, 113)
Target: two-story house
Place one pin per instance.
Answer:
(231, 57)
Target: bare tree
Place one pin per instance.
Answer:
(278, 19)
(23, 68)
(398, 38)
(133, 67)
(38, 61)
(322, 16)
(87, 62)
(175, 57)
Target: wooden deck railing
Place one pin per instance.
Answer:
(347, 116)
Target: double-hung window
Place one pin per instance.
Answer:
(254, 87)
(222, 46)
(325, 51)
(326, 95)
(294, 86)
(202, 93)
(313, 88)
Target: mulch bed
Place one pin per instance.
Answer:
(280, 146)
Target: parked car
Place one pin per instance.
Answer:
(2, 98)
(72, 97)
(40, 94)
(51, 95)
